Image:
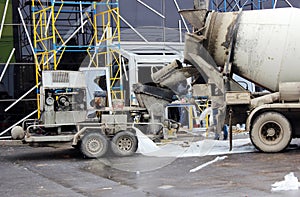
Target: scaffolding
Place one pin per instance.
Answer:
(89, 28)
(235, 5)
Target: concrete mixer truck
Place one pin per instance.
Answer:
(261, 46)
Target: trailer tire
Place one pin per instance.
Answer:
(271, 132)
(124, 143)
(93, 145)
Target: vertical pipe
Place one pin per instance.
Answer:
(274, 4)
(54, 39)
(119, 53)
(119, 47)
(48, 24)
(37, 66)
(53, 27)
(180, 33)
(120, 79)
(94, 12)
(191, 118)
(124, 68)
(164, 20)
(118, 26)
(81, 17)
(107, 74)
(206, 117)
(230, 129)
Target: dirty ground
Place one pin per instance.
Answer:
(46, 171)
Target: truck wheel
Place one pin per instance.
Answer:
(93, 145)
(271, 132)
(124, 143)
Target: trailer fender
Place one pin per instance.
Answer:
(82, 131)
(277, 107)
(254, 113)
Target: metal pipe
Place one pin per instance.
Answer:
(97, 46)
(150, 8)
(274, 5)
(108, 89)
(131, 27)
(289, 3)
(81, 17)
(10, 100)
(178, 9)
(48, 23)
(18, 122)
(230, 130)
(124, 68)
(180, 33)
(6, 65)
(27, 34)
(3, 17)
(5, 137)
(36, 86)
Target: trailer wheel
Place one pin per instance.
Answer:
(93, 145)
(271, 132)
(124, 143)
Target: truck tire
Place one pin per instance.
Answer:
(124, 143)
(93, 145)
(271, 132)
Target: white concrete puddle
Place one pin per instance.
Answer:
(166, 187)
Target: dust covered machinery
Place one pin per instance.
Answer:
(261, 46)
(75, 109)
(63, 97)
(72, 107)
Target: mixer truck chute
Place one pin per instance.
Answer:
(261, 46)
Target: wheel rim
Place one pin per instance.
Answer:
(271, 132)
(94, 146)
(125, 143)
